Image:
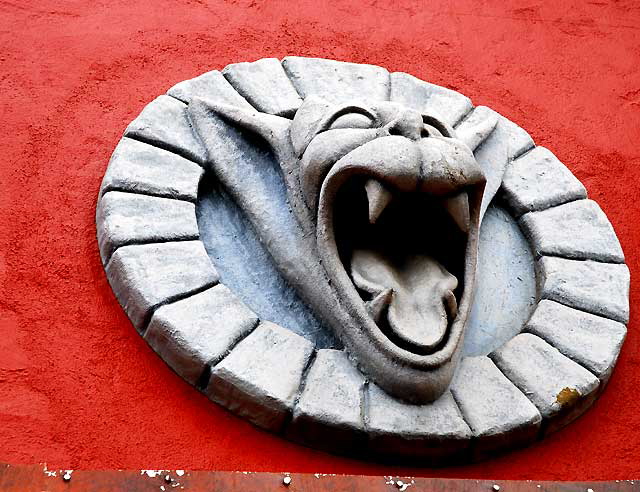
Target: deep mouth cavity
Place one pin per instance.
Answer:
(405, 253)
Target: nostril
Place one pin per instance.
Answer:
(394, 130)
(398, 129)
(405, 127)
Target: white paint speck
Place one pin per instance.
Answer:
(152, 473)
(286, 480)
(179, 472)
(405, 485)
(496, 487)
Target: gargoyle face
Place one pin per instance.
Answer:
(386, 203)
(395, 194)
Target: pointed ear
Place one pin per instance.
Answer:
(307, 121)
(273, 129)
(475, 129)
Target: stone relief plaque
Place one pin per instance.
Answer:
(362, 261)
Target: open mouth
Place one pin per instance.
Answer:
(405, 253)
(386, 204)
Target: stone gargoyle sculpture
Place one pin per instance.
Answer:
(362, 261)
(382, 243)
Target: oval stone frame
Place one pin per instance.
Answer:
(538, 381)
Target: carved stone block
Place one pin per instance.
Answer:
(537, 181)
(499, 415)
(262, 389)
(198, 331)
(145, 276)
(265, 85)
(164, 123)
(578, 230)
(210, 85)
(592, 341)
(138, 167)
(435, 432)
(449, 105)
(329, 411)
(130, 218)
(335, 81)
(598, 288)
(560, 388)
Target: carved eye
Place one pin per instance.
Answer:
(430, 131)
(352, 120)
(433, 127)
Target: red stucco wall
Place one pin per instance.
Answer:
(80, 389)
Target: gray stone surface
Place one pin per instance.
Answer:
(145, 276)
(538, 180)
(298, 232)
(247, 268)
(265, 85)
(578, 230)
(505, 293)
(191, 333)
(450, 105)
(164, 123)
(260, 378)
(336, 81)
(507, 142)
(211, 85)
(130, 218)
(329, 411)
(560, 388)
(142, 168)
(598, 288)
(592, 341)
(497, 412)
(286, 190)
(435, 431)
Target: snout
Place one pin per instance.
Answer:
(436, 165)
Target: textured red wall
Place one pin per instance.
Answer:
(80, 389)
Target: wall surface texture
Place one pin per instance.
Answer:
(79, 388)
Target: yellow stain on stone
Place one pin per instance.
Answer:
(567, 396)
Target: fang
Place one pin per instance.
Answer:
(378, 197)
(458, 208)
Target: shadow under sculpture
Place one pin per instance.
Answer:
(382, 240)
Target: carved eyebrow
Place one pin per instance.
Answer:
(437, 124)
(326, 124)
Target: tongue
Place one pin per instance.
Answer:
(421, 299)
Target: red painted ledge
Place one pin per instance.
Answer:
(25, 478)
